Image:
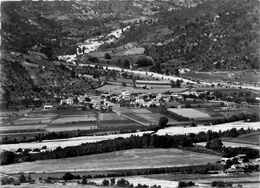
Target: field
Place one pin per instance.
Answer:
(32, 120)
(189, 112)
(75, 141)
(126, 159)
(117, 89)
(250, 138)
(214, 128)
(203, 180)
(65, 119)
(142, 115)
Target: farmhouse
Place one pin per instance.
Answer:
(153, 84)
(68, 101)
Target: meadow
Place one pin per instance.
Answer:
(125, 159)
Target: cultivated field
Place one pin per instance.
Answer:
(189, 112)
(126, 159)
(215, 128)
(32, 120)
(64, 119)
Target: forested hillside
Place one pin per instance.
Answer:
(215, 34)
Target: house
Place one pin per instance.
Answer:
(47, 107)
(224, 160)
(125, 93)
(68, 101)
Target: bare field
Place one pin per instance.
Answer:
(126, 159)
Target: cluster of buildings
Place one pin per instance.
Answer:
(241, 165)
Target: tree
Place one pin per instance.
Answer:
(144, 62)
(22, 178)
(112, 181)
(123, 84)
(107, 56)
(105, 182)
(84, 180)
(126, 64)
(177, 72)
(215, 144)
(163, 121)
(68, 176)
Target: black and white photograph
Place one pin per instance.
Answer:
(130, 94)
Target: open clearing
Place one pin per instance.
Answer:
(214, 128)
(126, 159)
(189, 112)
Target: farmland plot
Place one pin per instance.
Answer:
(32, 120)
(110, 117)
(119, 160)
(64, 119)
(189, 112)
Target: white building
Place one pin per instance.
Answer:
(68, 101)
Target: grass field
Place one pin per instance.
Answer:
(126, 159)
(189, 112)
